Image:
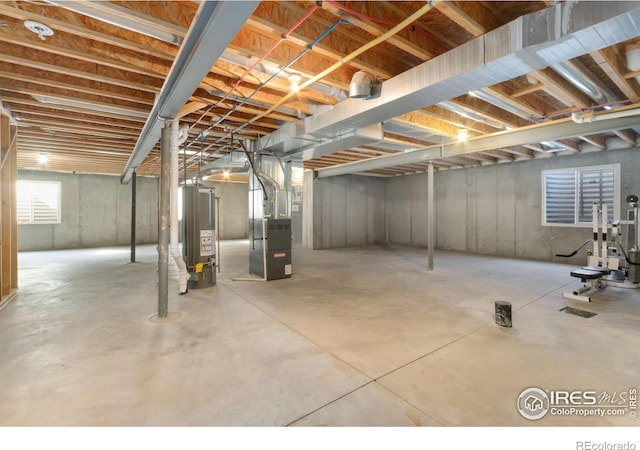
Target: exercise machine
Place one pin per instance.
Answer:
(614, 259)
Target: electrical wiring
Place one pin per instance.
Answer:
(283, 38)
(363, 16)
(383, 37)
(282, 69)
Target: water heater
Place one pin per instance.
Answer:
(199, 235)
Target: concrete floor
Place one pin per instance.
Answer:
(361, 336)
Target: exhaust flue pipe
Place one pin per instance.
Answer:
(176, 136)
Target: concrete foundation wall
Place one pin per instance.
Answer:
(96, 212)
(347, 211)
(234, 209)
(406, 206)
(496, 210)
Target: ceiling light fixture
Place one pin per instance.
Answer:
(38, 28)
(463, 134)
(294, 79)
(42, 159)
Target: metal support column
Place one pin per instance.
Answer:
(430, 217)
(163, 244)
(133, 217)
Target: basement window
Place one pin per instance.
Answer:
(568, 194)
(38, 202)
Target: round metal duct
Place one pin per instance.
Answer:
(360, 86)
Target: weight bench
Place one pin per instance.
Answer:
(592, 279)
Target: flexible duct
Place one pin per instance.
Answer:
(177, 135)
(577, 75)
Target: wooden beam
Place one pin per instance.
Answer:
(527, 90)
(130, 64)
(610, 63)
(58, 110)
(49, 63)
(77, 85)
(94, 104)
(424, 52)
(518, 151)
(463, 18)
(429, 124)
(561, 89)
(628, 136)
(66, 25)
(599, 141)
(190, 108)
(499, 154)
(88, 119)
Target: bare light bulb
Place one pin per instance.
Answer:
(294, 79)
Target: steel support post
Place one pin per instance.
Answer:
(133, 217)
(163, 244)
(430, 217)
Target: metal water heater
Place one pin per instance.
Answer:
(199, 235)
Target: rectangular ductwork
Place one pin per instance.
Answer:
(531, 42)
(290, 140)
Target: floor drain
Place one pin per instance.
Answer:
(578, 312)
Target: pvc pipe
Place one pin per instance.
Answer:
(596, 235)
(218, 233)
(614, 115)
(183, 275)
(605, 242)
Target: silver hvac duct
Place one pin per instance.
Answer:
(232, 159)
(213, 28)
(489, 98)
(361, 85)
(532, 42)
(563, 128)
(469, 115)
(225, 169)
(290, 139)
(579, 76)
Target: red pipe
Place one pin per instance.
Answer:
(591, 108)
